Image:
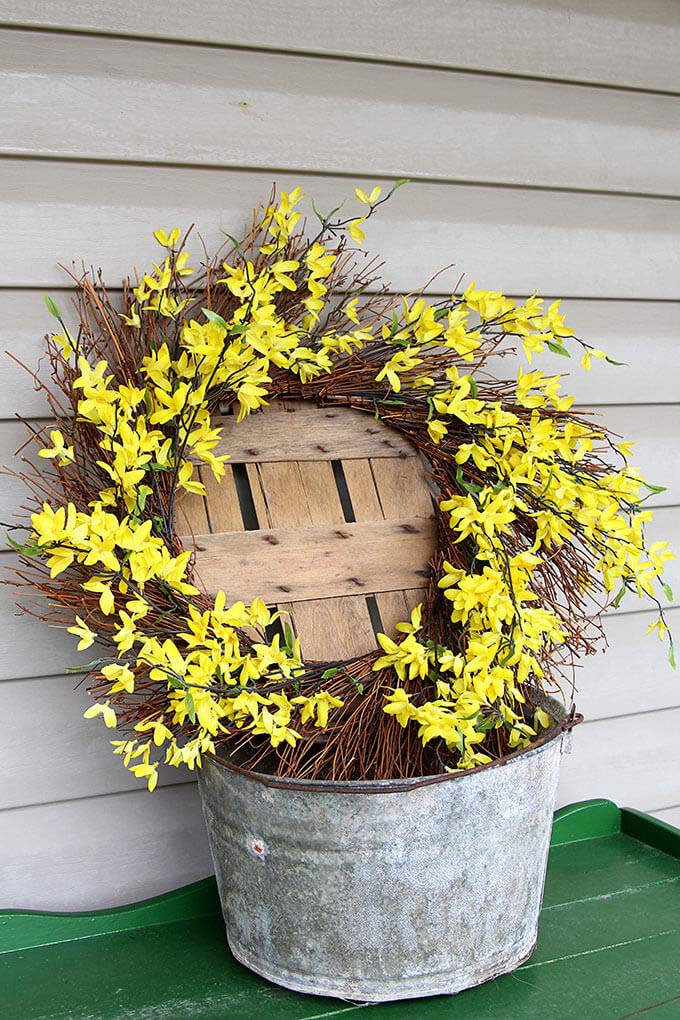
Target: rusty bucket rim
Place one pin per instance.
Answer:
(571, 718)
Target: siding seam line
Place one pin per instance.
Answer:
(349, 58)
(340, 175)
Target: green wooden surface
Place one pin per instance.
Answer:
(609, 947)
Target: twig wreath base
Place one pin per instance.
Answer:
(540, 522)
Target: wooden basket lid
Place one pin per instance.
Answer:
(325, 513)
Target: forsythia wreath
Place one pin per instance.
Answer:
(540, 517)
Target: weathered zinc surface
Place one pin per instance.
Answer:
(386, 890)
(609, 932)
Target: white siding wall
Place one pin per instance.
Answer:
(542, 138)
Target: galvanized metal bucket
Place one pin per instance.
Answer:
(385, 890)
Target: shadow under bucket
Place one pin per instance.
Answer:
(390, 889)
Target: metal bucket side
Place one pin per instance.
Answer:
(381, 895)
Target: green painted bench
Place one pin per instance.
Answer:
(609, 947)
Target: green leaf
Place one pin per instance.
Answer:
(612, 362)
(328, 673)
(667, 590)
(318, 215)
(288, 635)
(190, 706)
(619, 596)
(398, 184)
(51, 306)
(236, 243)
(215, 318)
(473, 386)
(86, 668)
(29, 548)
(558, 348)
(671, 656)
(467, 486)
(654, 488)
(441, 313)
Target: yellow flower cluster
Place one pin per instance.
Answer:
(222, 671)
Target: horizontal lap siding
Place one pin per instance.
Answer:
(103, 851)
(618, 327)
(613, 43)
(522, 184)
(119, 100)
(519, 239)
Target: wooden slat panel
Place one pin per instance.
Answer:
(29, 648)
(645, 335)
(402, 488)
(192, 515)
(308, 433)
(501, 237)
(372, 488)
(305, 493)
(48, 92)
(333, 628)
(612, 44)
(633, 760)
(103, 851)
(313, 563)
(221, 502)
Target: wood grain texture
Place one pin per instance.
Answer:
(372, 486)
(30, 649)
(609, 245)
(299, 564)
(599, 41)
(50, 87)
(308, 433)
(102, 851)
(304, 493)
(653, 429)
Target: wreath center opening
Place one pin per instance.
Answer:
(325, 513)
